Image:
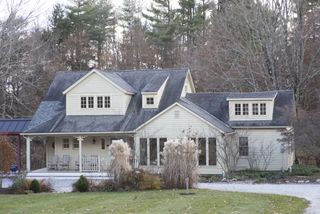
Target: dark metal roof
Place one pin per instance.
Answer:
(14, 126)
(253, 95)
(216, 104)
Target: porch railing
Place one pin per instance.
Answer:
(91, 164)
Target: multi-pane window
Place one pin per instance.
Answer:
(153, 151)
(90, 102)
(255, 109)
(75, 144)
(237, 109)
(143, 151)
(103, 144)
(150, 100)
(212, 151)
(245, 109)
(100, 102)
(243, 146)
(83, 102)
(263, 109)
(202, 148)
(65, 144)
(107, 102)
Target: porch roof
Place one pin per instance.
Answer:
(13, 126)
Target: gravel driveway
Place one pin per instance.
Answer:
(311, 192)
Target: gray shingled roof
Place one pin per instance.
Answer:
(205, 115)
(213, 107)
(249, 95)
(217, 105)
(14, 126)
(114, 77)
(155, 83)
(50, 116)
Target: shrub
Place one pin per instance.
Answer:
(82, 185)
(304, 170)
(35, 186)
(148, 181)
(45, 186)
(20, 186)
(105, 186)
(180, 159)
(120, 153)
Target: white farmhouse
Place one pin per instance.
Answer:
(83, 112)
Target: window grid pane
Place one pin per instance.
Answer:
(237, 109)
(255, 109)
(75, 144)
(245, 109)
(90, 102)
(107, 102)
(150, 100)
(66, 143)
(100, 102)
(243, 146)
(83, 102)
(263, 109)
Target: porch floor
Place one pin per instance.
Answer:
(45, 174)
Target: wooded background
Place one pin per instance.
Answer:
(229, 45)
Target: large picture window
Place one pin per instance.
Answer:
(243, 146)
(143, 151)
(202, 148)
(212, 151)
(153, 151)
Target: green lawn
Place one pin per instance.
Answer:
(165, 201)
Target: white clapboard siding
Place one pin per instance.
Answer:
(167, 126)
(256, 138)
(95, 86)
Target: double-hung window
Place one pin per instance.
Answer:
(90, 102)
(243, 146)
(100, 102)
(237, 109)
(107, 102)
(263, 109)
(245, 109)
(255, 109)
(83, 102)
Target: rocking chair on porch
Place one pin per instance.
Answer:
(65, 163)
(54, 163)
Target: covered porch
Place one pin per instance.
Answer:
(70, 155)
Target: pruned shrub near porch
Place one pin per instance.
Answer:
(180, 160)
(24, 186)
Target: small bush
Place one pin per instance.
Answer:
(82, 185)
(20, 186)
(105, 186)
(45, 186)
(304, 170)
(35, 186)
(149, 181)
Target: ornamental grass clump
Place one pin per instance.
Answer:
(180, 158)
(120, 154)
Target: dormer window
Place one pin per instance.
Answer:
(150, 100)
(237, 109)
(90, 102)
(83, 102)
(245, 109)
(100, 102)
(255, 109)
(263, 109)
(107, 102)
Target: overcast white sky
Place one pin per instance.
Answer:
(43, 8)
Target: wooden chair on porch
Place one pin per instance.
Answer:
(65, 163)
(54, 163)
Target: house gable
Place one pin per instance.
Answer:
(188, 86)
(94, 94)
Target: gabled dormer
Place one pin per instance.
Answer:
(98, 93)
(153, 91)
(251, 106)
(188, 86)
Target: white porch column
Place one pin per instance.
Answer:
(28, 155)
(80, 139)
